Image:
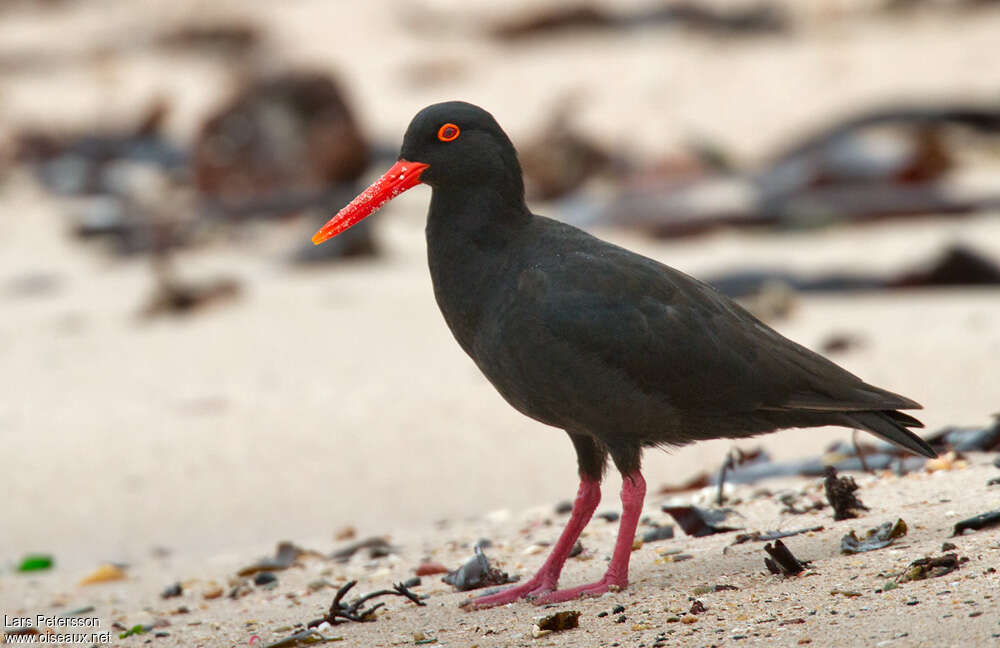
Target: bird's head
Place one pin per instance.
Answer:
(449, 146)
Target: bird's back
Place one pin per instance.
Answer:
(588, 336)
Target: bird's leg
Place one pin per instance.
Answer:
(544, 581)
(616, 578)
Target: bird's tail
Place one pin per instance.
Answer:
(891, 426)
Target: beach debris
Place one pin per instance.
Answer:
(345, 533)
(877, 538)
(950, 460)
(284, 145)
(170, 591)
(85, 163)
(476, 573)
(840, 494)
(891, 161)
(931, 567)
(782, 561)
(734, 459)
(609, 516)
(698, 522)
(657, 533)
(955, 265)
(430, 569)
(307, 637)
(841, 342)
(576, 550)
(560, 159)
(265, 579)
(977, 523)
(377, 546)
(355, 611)
(35, 562)
(799, 503)
(707, 589)
(289, 133)
(564, 507)
(967, 439)
(699, 481)
(230, 38)
(697, 607)
(733, 21)
(767, 536)
(212, 591)
(565, 620)
(285, 556)
(104, 574)
(172, 296)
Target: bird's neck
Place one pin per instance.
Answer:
(471, 243)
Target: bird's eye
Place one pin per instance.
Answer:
(448, 132)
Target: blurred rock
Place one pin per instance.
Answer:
(282, 146)
(286, 136)
(559, 160)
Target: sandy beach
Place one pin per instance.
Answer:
(335, 397)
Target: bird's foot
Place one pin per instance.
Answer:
(583, 591)
(531, 590)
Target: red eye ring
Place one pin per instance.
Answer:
(449, 132)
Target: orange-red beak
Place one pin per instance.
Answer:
(402, 176)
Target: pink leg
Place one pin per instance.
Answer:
(616, 578)
(587, 499)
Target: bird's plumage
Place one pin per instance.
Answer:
(620, 351)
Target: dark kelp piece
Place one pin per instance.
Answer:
(931, 567)
(840, 494)
(657, 533)
(967, 439)
(698, 522)
(355, 611)
(782, 561)
(767, 536)
(566, 620)
(476, 573)
(877, 538)
(285, 556)
(377, 548)
(981, 521)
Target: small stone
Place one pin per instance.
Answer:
(103, 574)
(689, 619)
(213, 592)
(264, 578)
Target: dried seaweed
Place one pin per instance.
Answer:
(355, 611)
(767, 536)
(877, 538)
(782, 561)
(840, 494)
(698, 522)
(931, 567)
(284, 557)
(978, 522)
(559, 621)
(377, 548)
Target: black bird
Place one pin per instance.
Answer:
(618, 350)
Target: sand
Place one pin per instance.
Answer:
(332, 398)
